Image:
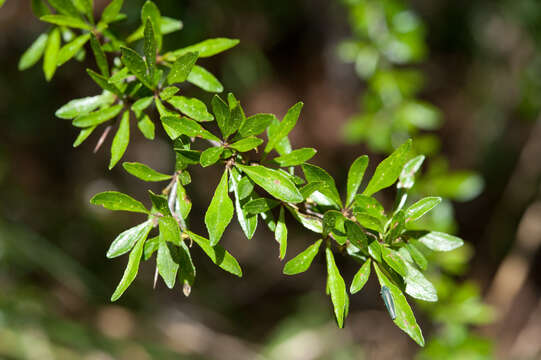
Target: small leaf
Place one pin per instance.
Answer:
(183, 204)
(388, 170)
(312, 223)
(104, 83)
(101, 59)
(151, 12)
(151, 246)
(417, 256)
(407, 176)
(280, 234)
(255, 124)
(127, 239)
(135, 63)
(421, 207)
(260, 205)
(217, 254)
(337, 289)
(65, 20)
(355, 234)
(143, 172)
(302, 261)
(65, 7)
(39, 8)
(142, 104)
(168, 92)
(176, 126)
(114, 200)
(361, 277)
(243, 187)
(355, 177)
(274, 182)
(330, 220)
(222, 114)
(206, 48)
(405, 319)
(121, 140)
(51, 53)
(83, 135)
(246, 144)
(71, 49)
(181, 68)
(167, 26)
(34, 52)
(167, 267)
(210, 156)
(110, 13)
(191, 107)
(131, 270)
(288, 123)
(316, 174)
(394, 260)
(219, 212)
(83, 106)
(439, 241)
(417, 286)
(205, 80)
(150, 48)
(296, 157)
(147, 128)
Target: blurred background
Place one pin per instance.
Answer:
(469, 80)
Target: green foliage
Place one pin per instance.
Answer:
(144, 88)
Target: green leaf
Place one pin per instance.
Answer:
(396, 226)
(183, 204)
(296, 157)
(71, 49)
(167, 26)
(330, 220)
(143, 172)
(417, 286)
(337, 288)
(151, 246)
(168, 92)
(361, 277)
(370, 206)
(121, 140)
(192, 107)
(316, 174)
(217, 254)
(394, 260)
(142, 104)
(236, 119)
(127, 239)
(255, 124)
(405, 319)
(243, 187)
(51, 53)
(83, 135)
(355, 234)
(181, 68)
(260, 205)
(302, 261)
(39, 8)
(85, 7)
(205, 80)
(389, 169)
(161, 205)
(210, 156)
(219, 212)
(176, 126)
(355, 177)
(312, 223)
(280, 234)
(131, 270)
(65, 20)
(150, 48)
(421, 207)
(417, 256)
(222, 114)
(187, 268)
(34, 53)
(146, 126)
(104, 83)
(167, 267)
(246, 144)
(274, 182)
(407, 176)
(83, 106)
(439, 241)
(207, 48)
(101, 59)
(112, 10)
(288, 123)
(151, 11)
(65, 7)
(114, 200)
(135, 63)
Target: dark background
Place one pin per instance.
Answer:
(483, 72)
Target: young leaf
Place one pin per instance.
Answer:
(168, 92)
(192, 107)
(110, 13)
(439, 241)
(260, 205)
(147, 128)
(187, 269)
(101, 59)
(255, 124)
(206, 48)
(243, 187)
(143, 172)
(65, 20)
(355, 234)
(394, 260)
(39, 8)
(83, 135)
(167, 267)
(161, 205)
(151, 246)
(288, 123)
(389, 169)
(417, 256)
(421, 207)
(280, 233)
(114, 200)
(312, 223)
(71, 49)
(274, 182)
(210, 156)
(405, 319)
(104, 83)
(34, 53)
(150, 48)
(296, 157)
(83, 106)
(167, 26)
(417, 286)
(127, 239)
(407, 176)
(151, 12)
(51, 53)
(302, 261)
(65, 7)
(205, 80)
(121, 140)
(183, 204)
(370, 206)
(316, 174)
(330, 220)
(217, 254)
(337, 289)
(355, 177)
(361, 277)
(246, 144)
(175, 126)
(181, 68)
(135, 63)
(141, 104)
(222, 114)
(219, 212)
(131, 270)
